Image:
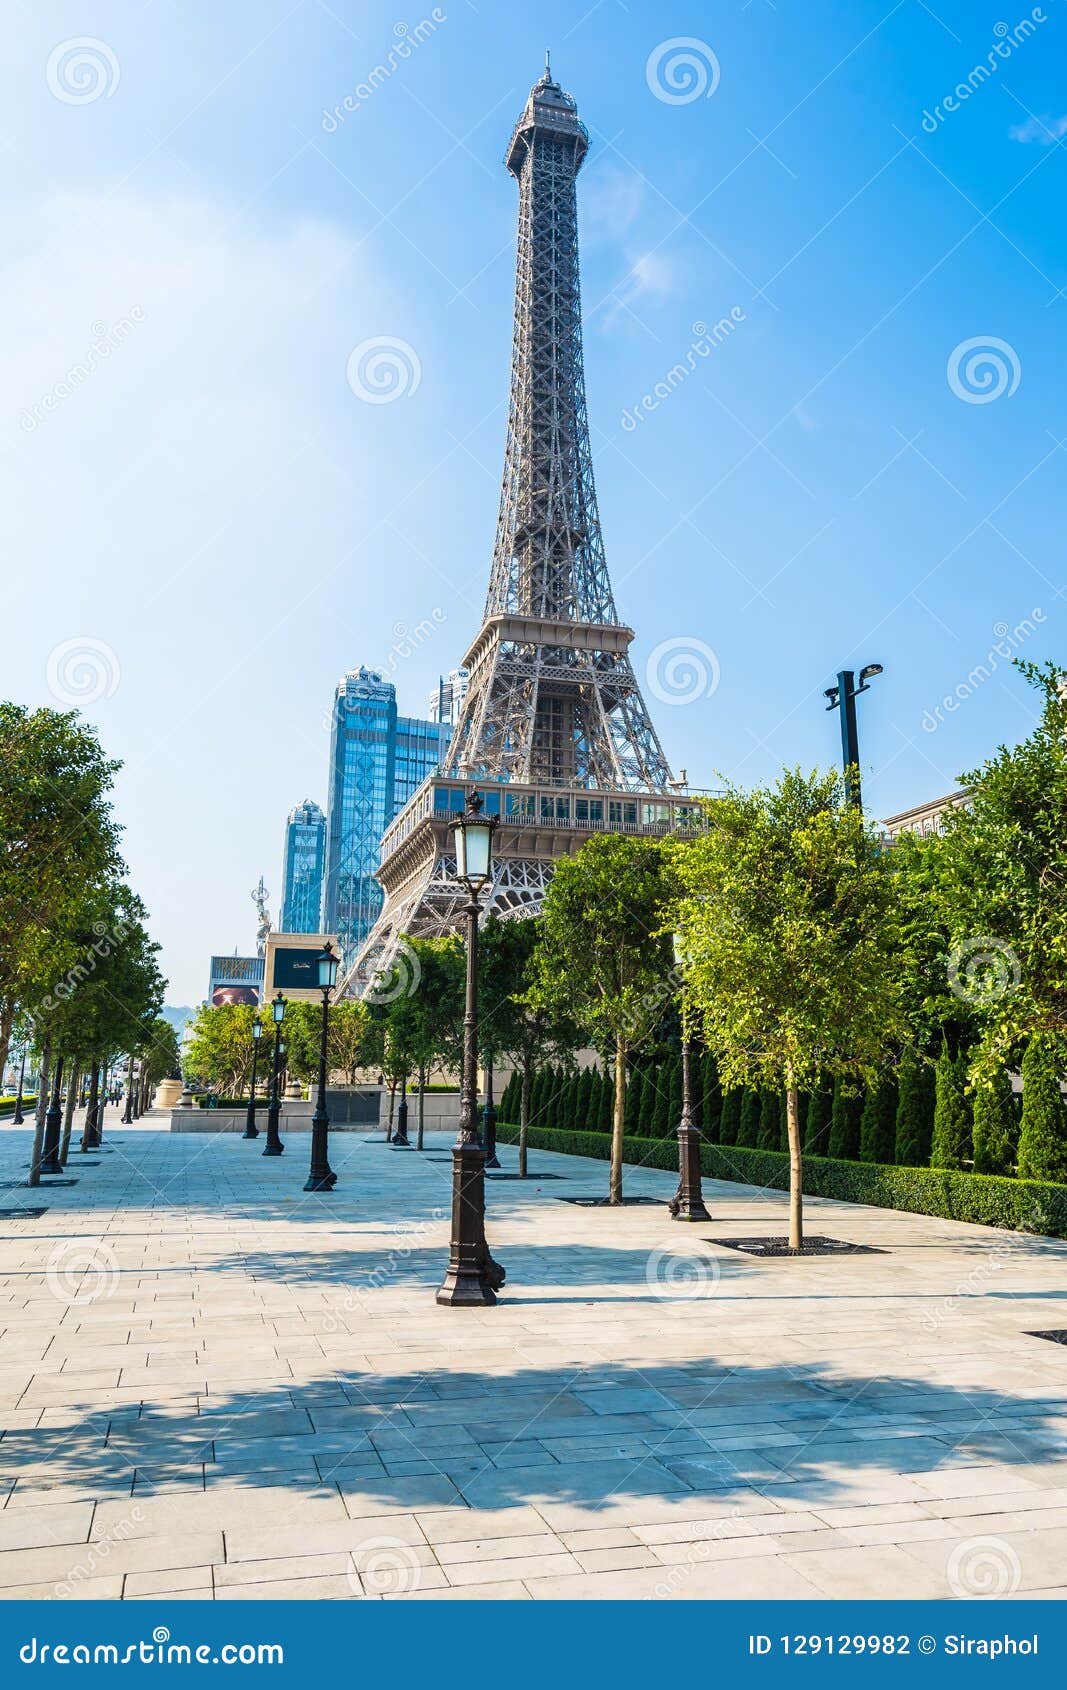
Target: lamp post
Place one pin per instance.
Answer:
(400, 1137)
(89, 1138)
(322, 1176)
(274, 1145)
(251, 1130)
(50, 1163)
(18, 1117)
(688, 1202)
(843, 697)
(472, 1278)
(489, 1120)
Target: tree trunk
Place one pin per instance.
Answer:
(524, 1114)
(41, 1112)
(615, 1178)
(422, 1105)
(392, 1105)
(68, 1113)
(796, 1165)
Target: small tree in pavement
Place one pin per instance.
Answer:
(788, 920)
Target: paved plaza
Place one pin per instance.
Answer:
(216, 1385)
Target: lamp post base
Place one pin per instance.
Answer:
(688, 1204)
(250, 1131)
(320, 1182)
(273, 1149)
(472, 1278)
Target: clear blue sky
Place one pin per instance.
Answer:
(223, 525)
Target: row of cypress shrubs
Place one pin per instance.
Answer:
(921, 1115)
(1032, 1206)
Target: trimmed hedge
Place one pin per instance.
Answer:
(984, 1199)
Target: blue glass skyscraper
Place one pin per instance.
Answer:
(377, 760)
(305, 857)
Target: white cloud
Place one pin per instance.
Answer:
(1046, 130)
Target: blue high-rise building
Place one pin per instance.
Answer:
(377, 760)
(305, 858)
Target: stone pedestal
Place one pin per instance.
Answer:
(168, 1093)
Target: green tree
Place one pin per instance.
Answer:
(603, 958)
(1002, 887)
(748, 1119)
(915, 1111)
(993, 1128)
(952, 1126)
(845, 1106)
(817, 1120)
(1043, 1130)
(790, 933)
(878, 1120)
(730, 1119)
(60, 848)
(769, 1132)
(711, 1101)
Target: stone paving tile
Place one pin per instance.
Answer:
(243, 1424)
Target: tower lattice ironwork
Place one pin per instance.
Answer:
(552, 694)
(553, 718)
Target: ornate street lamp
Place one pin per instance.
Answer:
(274, 1145)
(473, 1277)
(251, 1130)
(50, 1163)
(322, 1176)
(688, 1202)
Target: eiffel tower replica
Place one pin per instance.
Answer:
(554, 732)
